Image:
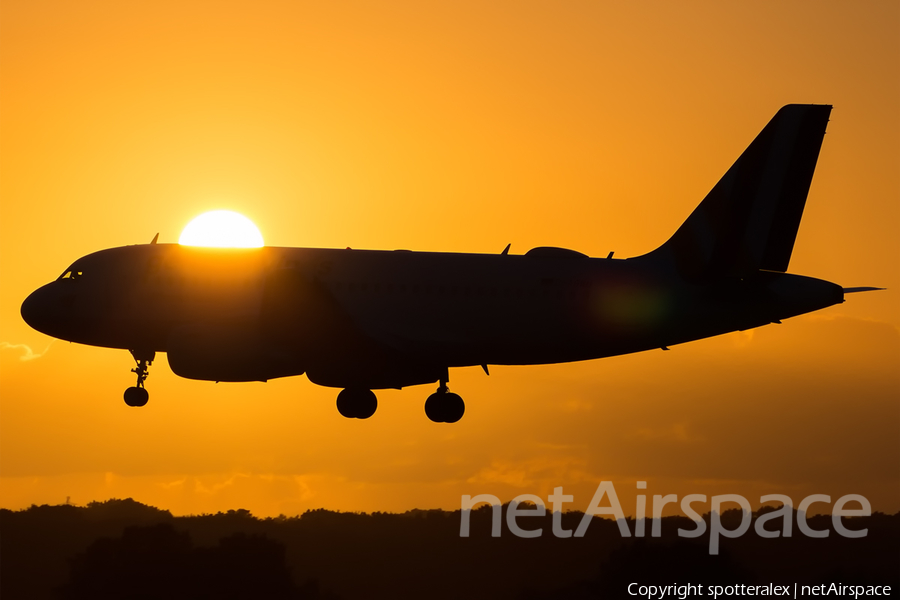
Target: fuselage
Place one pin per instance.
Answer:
(340, 312)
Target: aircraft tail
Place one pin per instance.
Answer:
(749, 220)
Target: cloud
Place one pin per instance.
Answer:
(577, 405)
(533, 472)
(218, 486)
(673, 432)
(28, 353)
(178, 483)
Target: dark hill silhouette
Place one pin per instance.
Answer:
(157, 561)
(68, 551)
(665, 563)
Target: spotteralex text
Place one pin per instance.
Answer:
(785, 514)
(692, 590)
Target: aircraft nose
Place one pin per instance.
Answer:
(43, 308)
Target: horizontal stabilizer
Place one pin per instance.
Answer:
(854, 290)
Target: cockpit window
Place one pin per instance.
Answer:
(71, 274)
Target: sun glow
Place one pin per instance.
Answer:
(221, 229)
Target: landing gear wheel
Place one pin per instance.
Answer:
(444, 406)
(136, 396)
(356, 403)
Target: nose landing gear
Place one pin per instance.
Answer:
(444, 406)
(137, 395)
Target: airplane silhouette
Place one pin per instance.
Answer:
(362, 320)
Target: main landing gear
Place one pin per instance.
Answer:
(137, 395)
(357, 403)
(444, 406)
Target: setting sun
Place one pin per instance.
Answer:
(221, 229)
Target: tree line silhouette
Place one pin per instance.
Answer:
(124, 549)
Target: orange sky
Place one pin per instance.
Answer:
(453, 126)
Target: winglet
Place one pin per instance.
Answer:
(506, 250)
(155, 238)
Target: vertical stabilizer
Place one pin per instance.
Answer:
(749, 220)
